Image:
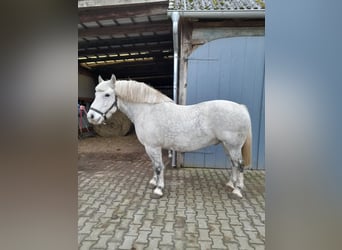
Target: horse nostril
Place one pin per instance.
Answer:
(91, 116)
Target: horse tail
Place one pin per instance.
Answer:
(247, 149)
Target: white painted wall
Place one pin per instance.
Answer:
(86, 86)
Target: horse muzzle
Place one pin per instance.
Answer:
(95, 118)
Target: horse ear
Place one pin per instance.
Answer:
(113, 78)
(100, 79)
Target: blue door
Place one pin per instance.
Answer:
(230, 69)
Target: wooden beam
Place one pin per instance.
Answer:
(122, 11)
(156, 55)
(121, 75)
(126, 40)
(137, 70)
(122, 50)
(126, 29)
(127, 66)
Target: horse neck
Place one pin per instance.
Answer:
(131, 110)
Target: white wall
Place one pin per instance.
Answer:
(86, 86)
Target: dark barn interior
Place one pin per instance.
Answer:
(132, 41)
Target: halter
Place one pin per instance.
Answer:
(105, 113)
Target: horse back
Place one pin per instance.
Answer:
(229, 114)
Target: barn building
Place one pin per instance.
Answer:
(191, 50)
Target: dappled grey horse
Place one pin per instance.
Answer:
(162, 124)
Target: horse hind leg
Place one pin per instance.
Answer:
(236, 181)
(233, 177)
(240, 180)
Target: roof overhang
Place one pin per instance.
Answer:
(250, 14)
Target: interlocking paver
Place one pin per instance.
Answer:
(238, 231)
(110, 228)
(86, 245)
(146, 225)
(87, 228)
(243, 243)
(143, 236)
(261, 230)
(178, 244)
(179, 234)
(202, 223)
(169, 225)
(167, 239)
(192, 240)
(116, 210)
(154, 243)
(204, 235)
(225, 224)
(205, 245)
(254, 237)
(156, 231)
(133, 230)
(218, 242)
(233, 246)
(102, 242)
(113, 245)
(128, 242)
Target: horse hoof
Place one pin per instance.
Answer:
(158, 191)
(230, 185)
(237, 193)
(155, 196)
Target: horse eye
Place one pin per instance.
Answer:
(107, 95)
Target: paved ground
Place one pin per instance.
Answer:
(116, 210)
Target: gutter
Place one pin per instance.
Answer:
(253, 14)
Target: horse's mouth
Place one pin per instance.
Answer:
(97, 121)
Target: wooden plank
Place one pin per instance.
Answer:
(155, 55)
(137, 70)
(133, 49)
(204, 35)
(126, 40)
(126, 29)
(139, 67)
(122, 11)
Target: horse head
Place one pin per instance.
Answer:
(105, 102)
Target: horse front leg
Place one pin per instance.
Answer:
(157, 181)
(153, 181)
(158, 190)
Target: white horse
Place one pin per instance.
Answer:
(162, 124)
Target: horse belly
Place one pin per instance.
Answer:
(191, 145)
(188, 138)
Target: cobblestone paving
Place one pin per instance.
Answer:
(116, 210)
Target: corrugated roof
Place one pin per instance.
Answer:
(216, 5)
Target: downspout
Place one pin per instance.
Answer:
(175, 22)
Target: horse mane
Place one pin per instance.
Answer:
(138, 92)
